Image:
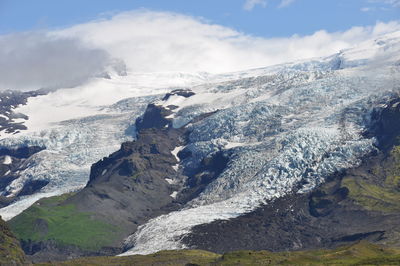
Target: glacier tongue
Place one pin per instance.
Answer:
(296, 125)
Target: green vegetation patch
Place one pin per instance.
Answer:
(173, 258)
(372, 197)
(48, 219)
(348, 255)
(375, 197)
(362, 253)
(10, 251)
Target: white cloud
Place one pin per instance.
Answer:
(164, 42)
(158, 41)
(250, 4)
(37, 60)
(285, 3)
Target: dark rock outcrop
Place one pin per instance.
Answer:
(32, 186)
(179, 92)
(154, 117)
(198, 179)
(21, 152)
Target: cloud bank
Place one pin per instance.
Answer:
(157, 42)
(36, 60)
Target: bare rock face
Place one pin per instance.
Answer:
(130, 186)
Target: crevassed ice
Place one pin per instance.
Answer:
(81, 125)
(71, 148)
(297, 125)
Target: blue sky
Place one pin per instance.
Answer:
(266, 19)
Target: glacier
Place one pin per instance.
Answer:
(80, 126)
(288, 127)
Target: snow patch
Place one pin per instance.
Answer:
(7, 160)
(231, 145)
(170, 181)
(176, 151)
(18, 120)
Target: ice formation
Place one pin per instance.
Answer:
(288, 128)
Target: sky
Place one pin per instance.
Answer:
(52, 44)
(265, 18)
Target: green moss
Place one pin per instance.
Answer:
(48, 219)
(393, 180)
(10, 251)
(360, 254)
(383, 197)
(372, 197)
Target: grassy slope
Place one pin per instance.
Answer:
(48, 219)
(360, 254)
(373, 197)
(10, 251)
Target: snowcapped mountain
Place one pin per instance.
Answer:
(284, 129)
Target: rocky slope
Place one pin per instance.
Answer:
(10, 250)
(125, 190)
